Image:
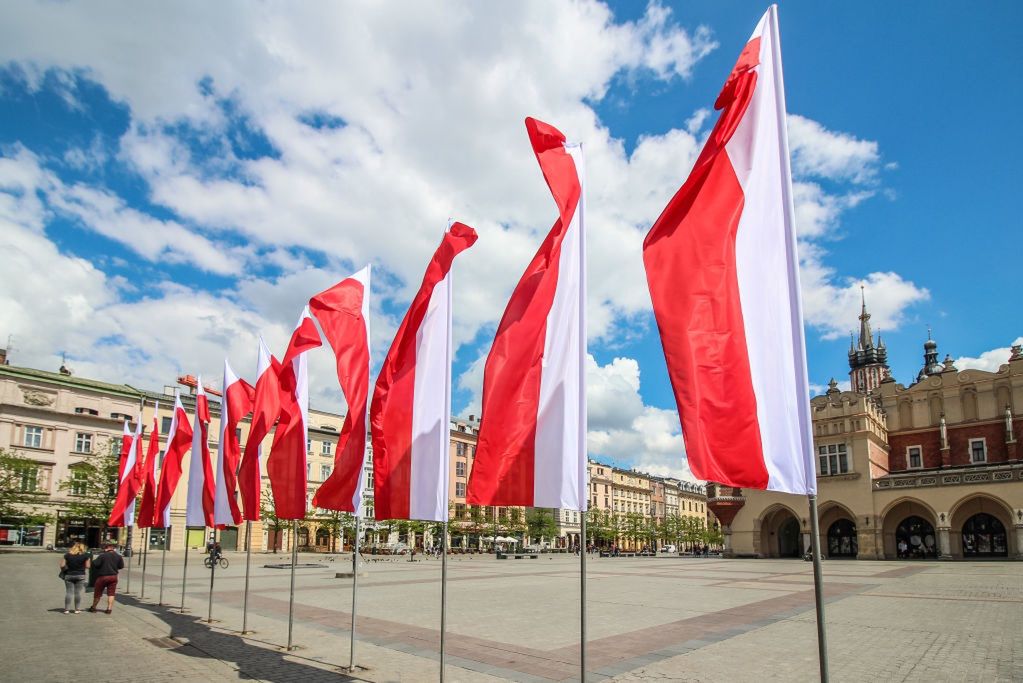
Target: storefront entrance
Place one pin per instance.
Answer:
(92, 532)
(788, 538)
(984, 536)
(842, 539)
(915, 539)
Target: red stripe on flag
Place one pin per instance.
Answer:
(391, 411)
(689, 256)
(266, 407)
(502, 473)
(237, 403)
(178, 443)
(147, 510)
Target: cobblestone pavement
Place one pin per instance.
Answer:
(677, 619)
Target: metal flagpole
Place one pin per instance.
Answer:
(130, 558)
(582, 597)
(184, 570)
(818, 589)
(248, 562)
(145, 556)
(355, 590)
(163, 564)
(443, 594)
(294, 561)
(213, 570)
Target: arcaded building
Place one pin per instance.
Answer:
(929, 470)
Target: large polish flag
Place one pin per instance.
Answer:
(723, 272)
(199, 505)
(147, 474)
(411, 412)
(343, 314)
(235, 404)
(123, 511)
(179, 440)
(286, 465)
(126, 438)
(266, 407)
(532, 438)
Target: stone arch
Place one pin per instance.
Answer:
(832, 513)
(895, 513)
(974, 504)
(776, 532)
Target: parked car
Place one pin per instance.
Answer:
(669, 549)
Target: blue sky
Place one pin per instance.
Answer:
(176, 180)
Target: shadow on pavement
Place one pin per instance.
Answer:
(253, 662)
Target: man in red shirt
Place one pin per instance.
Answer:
(106, 567)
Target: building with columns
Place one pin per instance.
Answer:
(929, 470)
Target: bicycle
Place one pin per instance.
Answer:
(222, 561)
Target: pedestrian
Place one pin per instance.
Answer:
(73, 569)
(107, 565)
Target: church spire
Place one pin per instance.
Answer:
(866, 338)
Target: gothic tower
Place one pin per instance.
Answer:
(868, 360)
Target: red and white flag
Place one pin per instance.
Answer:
(123, 511)
(723, 272)
(179, 440)
(532, 438)
(411, 412)
(286, 465)
(343, 314)
(235, 404)
(199, 505)
(126, 438)
(147, 473)
(266, 406)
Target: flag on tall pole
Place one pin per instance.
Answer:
(123, 511)
(266, 406)
(147, 476)
(723, 272)
(235, 404)
(411, 409)
(343, 314)
(286, 465)
(199, 504)
(179, 440)
(126, 438)
(532, 439)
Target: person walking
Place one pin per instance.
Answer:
(74, 567)
(107, 565)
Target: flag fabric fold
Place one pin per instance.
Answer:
(126, 438)
(147, 474)
(532, 438)
(266, 406)
(343, 314)
(123, 511)
(723, 274)
(411, 409)
(199, 504)
(235, 404)
(286, 466)
(179, 440)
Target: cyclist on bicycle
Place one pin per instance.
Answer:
(213, 548)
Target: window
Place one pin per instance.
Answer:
(238, 434)
(79, 482)
(33, 437)
(978, 450)
(914, 457)
(324, 472)
(459, 448)
(459, 469)
(29, 478)
(369, 480)
(308, 445)
(833, 459)
(325, 447)
(83, 443)
(308, 469)
(460, 489)
(86, 411)
(165, 424)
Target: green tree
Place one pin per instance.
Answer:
(541, 524)
(336, 523)
(92, 485)
(268, 513)
(19, 489)
(634, 527)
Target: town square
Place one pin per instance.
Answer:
(582, 340)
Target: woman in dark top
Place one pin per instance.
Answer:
(75, 564)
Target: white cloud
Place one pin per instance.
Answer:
(988, 360)
(822, 153)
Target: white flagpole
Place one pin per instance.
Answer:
(248, 563)
(783, 135)
(582, 596)
(294, 562)
(184, 570)
(355, 590)
(443, 594)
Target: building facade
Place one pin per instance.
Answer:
(929, 470)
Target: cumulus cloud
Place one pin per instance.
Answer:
(988, 360)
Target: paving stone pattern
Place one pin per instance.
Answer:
(673, 619)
